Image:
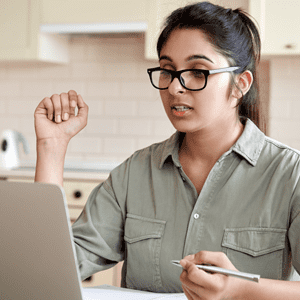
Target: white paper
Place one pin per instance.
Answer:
(114, 293)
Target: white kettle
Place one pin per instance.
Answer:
(9, 152)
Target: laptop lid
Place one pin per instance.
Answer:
(37, 255)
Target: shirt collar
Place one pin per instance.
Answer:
(249, 145)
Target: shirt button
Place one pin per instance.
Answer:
(196, 216)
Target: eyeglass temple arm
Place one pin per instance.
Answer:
(228, 69)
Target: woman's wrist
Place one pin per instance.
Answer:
(50, 161)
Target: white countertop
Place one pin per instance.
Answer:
(73, 170)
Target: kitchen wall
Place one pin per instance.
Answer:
(284, 123)
(125, 112)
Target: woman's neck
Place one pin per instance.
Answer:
(208, 145)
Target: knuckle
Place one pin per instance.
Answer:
(54, 96)
(72, 94)
(222, 255)
(46, 99)
(200, 256)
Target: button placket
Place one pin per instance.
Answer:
(197, 220)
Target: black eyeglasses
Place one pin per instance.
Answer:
(190, 79)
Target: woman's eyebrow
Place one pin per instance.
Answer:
(198, 56)
(165, 57)
(192, 57)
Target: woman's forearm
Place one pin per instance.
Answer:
(270, 289)
(50, 161)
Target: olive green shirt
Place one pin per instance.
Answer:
(148, 213)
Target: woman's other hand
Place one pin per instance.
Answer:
(198, 284)
(55, 117)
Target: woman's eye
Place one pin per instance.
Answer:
(197, 73)
(164, 72)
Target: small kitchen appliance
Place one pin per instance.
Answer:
(9, 152)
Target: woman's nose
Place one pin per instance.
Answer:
(175, 87)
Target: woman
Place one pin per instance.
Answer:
(216, 192)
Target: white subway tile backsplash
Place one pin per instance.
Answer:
(10, 122)
(119, 145)
(10, 88)
(163, 128)
(85, 145)
(143, 143)
(64, 86)
(136, 88)
(122, 71)
(152, 109)
(96, 106)
(120, 108)
(141, 127)
(103, 88)
(21, 107)
(87, 70)
(3, 72)
(102, 126)
(4, 103)
(54, 72)
(27, 125)
(24, 72)
(37, 88)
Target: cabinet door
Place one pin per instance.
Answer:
(158, 11)
(18, 22)
(279, 25)
(20, 38)
(92, 11)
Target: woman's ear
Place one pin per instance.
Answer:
(243, 83)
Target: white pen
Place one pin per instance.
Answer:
(213, 269)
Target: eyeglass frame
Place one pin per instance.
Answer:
(177, 74)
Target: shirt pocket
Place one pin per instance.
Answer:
(143, 238)
(256, 250)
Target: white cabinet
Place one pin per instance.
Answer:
(279, 25)
(158, 11)
(93, 11)
(20, 38)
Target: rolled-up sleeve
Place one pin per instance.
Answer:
(294, 229)
(99, 231)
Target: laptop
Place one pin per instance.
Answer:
(37, 255)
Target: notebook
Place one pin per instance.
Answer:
(37, 254)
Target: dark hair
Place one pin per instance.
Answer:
(232, 33)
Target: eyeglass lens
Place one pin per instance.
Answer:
(194, 79)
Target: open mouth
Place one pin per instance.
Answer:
(179, 111)
(181, 108)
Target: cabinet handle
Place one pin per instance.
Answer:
(77, 194)
(290, 46)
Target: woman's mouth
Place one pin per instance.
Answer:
(180, 110)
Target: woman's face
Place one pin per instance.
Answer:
(209, 108)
